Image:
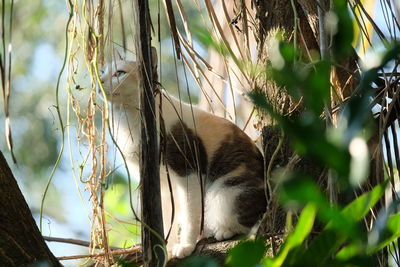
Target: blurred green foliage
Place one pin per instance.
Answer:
(247, 253)
(124, 233)
(343, 34)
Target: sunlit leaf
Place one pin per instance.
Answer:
(359, 207)
(390, 232)
(301, 191)
(297, 237)
(350, 251)
(330, 239)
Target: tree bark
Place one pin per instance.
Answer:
(21, 242)
(153, 255)
(281, 17)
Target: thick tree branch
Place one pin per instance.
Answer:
(21, 242)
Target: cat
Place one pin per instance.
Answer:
(199, 146)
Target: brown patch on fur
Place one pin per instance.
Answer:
(250, 205)
(213, 129)
(244, 181)
(185, 152)
(237, 149)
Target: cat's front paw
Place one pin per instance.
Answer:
(223, 234)
(182, 250)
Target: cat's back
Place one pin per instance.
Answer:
(229, 149)
(216, 146)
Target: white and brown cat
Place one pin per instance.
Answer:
(199, 146)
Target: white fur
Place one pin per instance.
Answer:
(221, 225)
(220, 220)
(190, 215)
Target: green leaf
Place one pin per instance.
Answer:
(343, 38)
(199, 261)
(358, 208)
(393, 224)
(288, 52)
(301, 191)
(331, 238)
(297, 237)
(260, 100)
(350, 251)
(357, 260)
(248, 253)
(316, 88)
(392, 233)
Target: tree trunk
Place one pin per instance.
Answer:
(21, 242)
(280, 17)
(152, 241)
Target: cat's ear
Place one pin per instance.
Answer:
(154, 63)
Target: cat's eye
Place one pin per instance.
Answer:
(119, 73)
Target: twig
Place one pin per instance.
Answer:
(137, 249)
(172, 24)
(71, 241)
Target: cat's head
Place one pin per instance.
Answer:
(121, 80)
